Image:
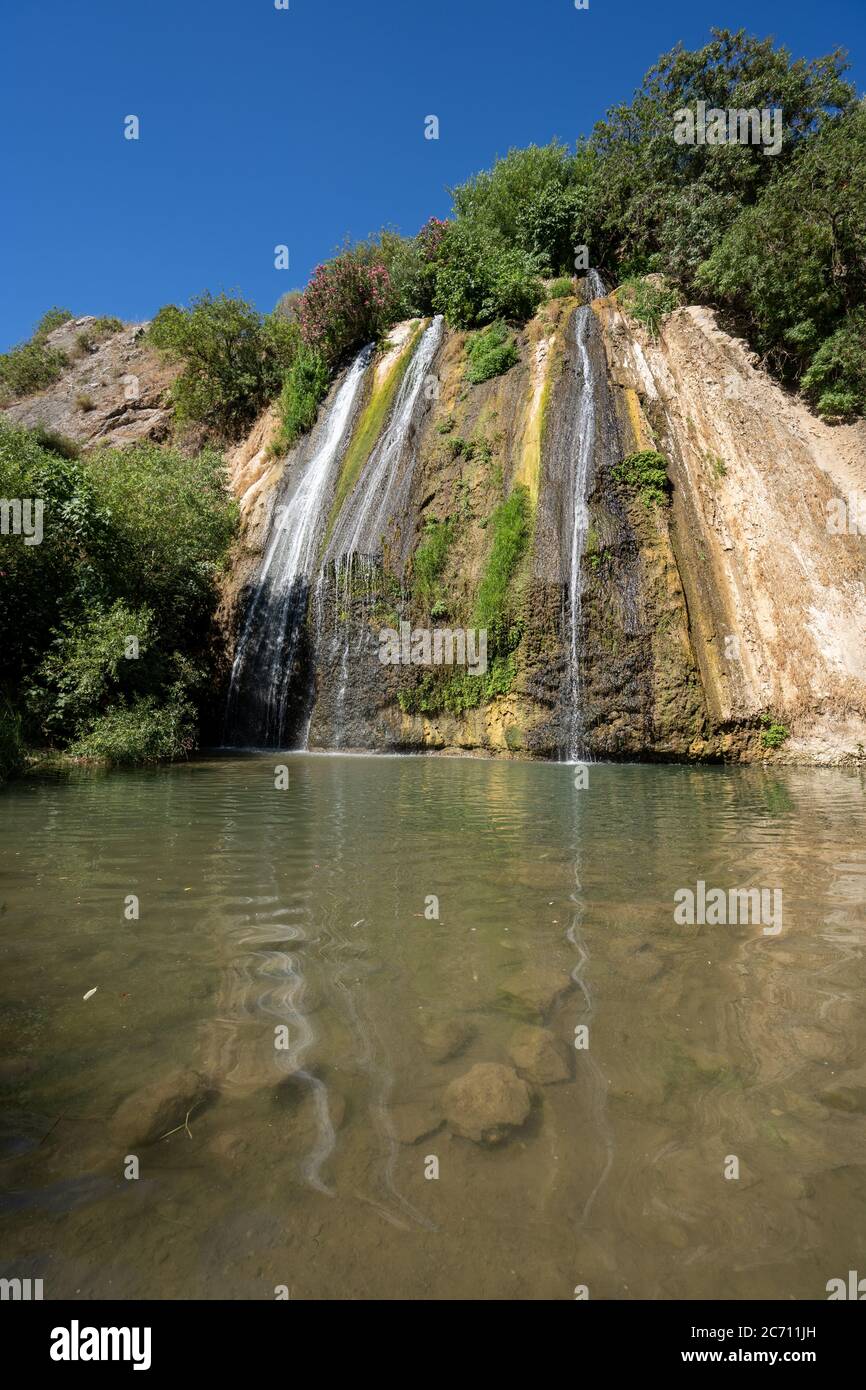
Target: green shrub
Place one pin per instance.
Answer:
(348, 303)
(531, 199)
(234, 359)
(561, 289)
(490, 353)
(648, 302)
(28, 368)
(133, 541)
(143, 732)
(774, 733)
(305, 386)
(106, 325)
(51, 319)
(480, 278)
(57, 443)
(87, 669)
(646, 474)
(33, 365)
(836, 379)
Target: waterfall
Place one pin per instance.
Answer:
(368, 524)
(582, 452)
(268, 651)
(379, 492)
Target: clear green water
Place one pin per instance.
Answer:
(305, 908)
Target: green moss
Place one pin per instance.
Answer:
(458, 691)
(645, 473)
(593, 550)
(430, 557)
(511, 528)
(648, 302)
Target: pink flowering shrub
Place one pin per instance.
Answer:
(346, 304)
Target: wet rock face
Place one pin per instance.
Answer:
(487, 1103)
(115, 390)
(662, 587)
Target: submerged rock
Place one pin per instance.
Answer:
(154, 1110)
(444, 1038)
(538, 1055)
(535, 989)
(487, 1102)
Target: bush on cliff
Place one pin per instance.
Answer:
(305, 386)
(234, 359)
(348, 303)
(490, 353)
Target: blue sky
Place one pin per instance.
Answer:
(262, 127)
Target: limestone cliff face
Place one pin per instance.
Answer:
(735, 601)
(775, 595)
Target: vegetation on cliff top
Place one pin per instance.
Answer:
(779, 242)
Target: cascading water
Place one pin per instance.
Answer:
(582, 454)
(262, 685)
(376, 497)
(365, 528)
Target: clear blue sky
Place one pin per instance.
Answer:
(262, 126)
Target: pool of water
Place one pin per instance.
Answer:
(312, 966)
